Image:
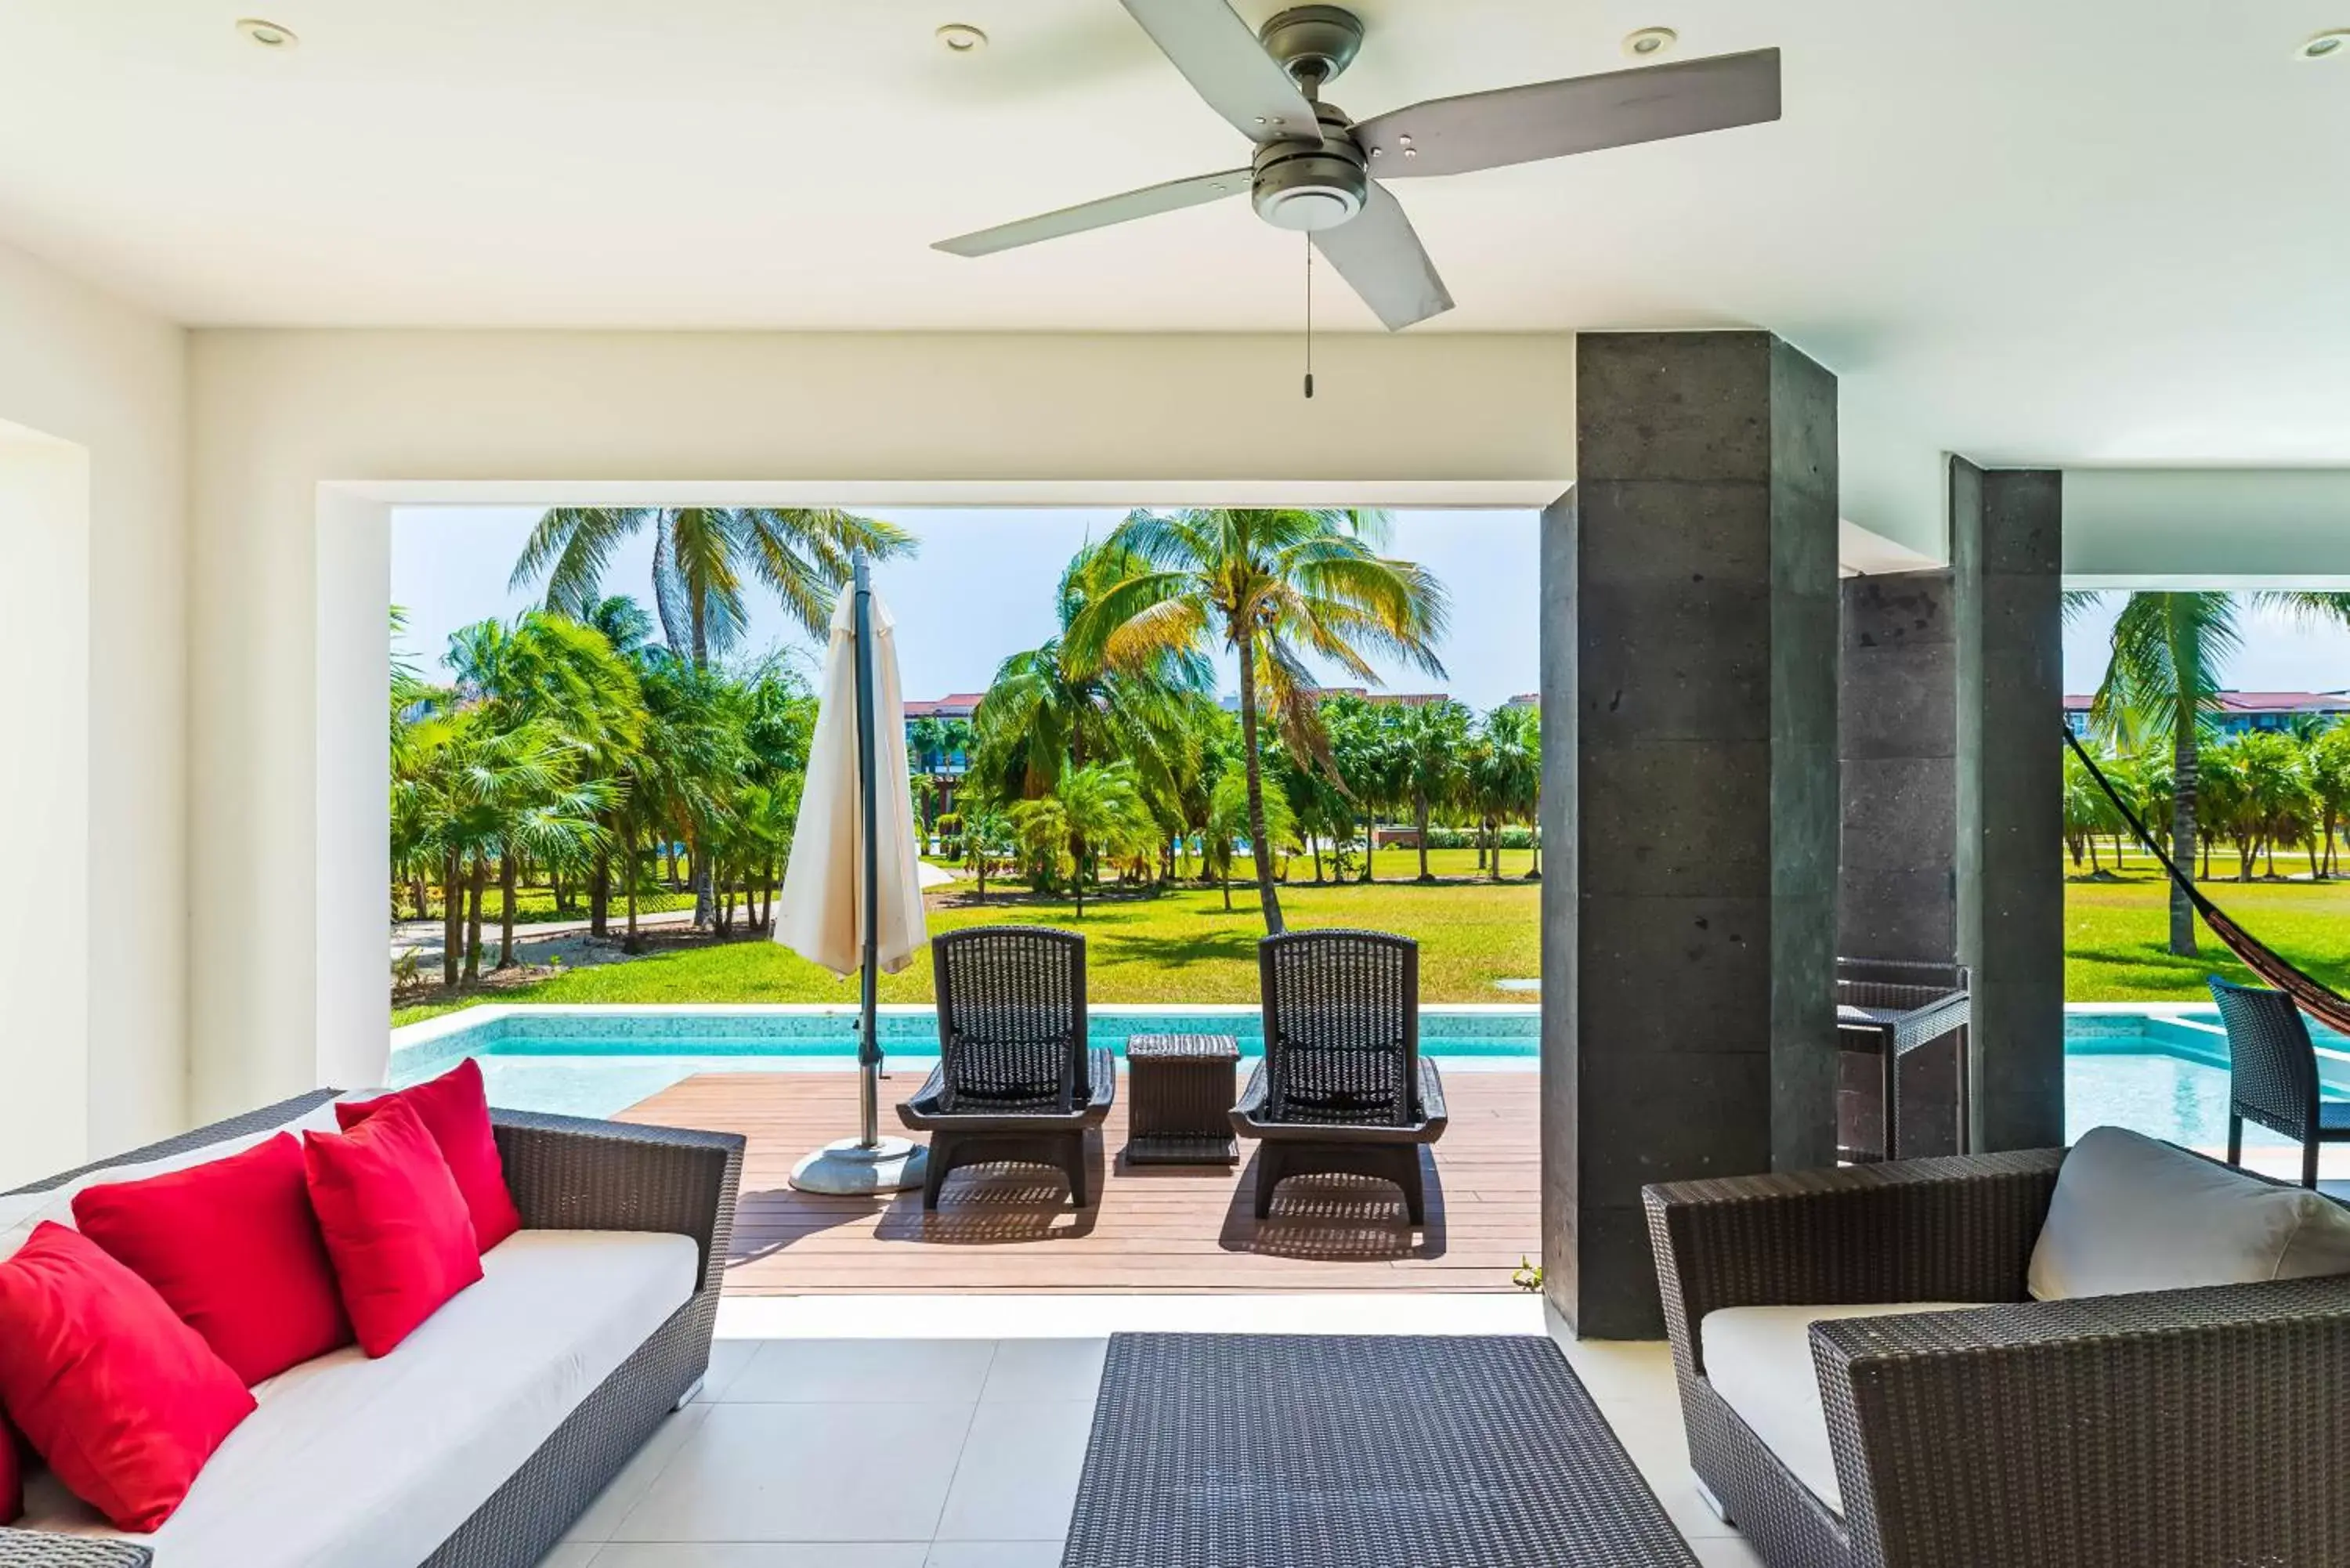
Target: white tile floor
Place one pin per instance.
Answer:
(948, 1433)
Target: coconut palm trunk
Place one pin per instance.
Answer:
(1419, 818)
(1260, 846)
(477, 882)
(599, 896)
(507, 876)
(453, 915)
(629, 871)
(2184, 764)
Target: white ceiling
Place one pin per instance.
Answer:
(2087, 233)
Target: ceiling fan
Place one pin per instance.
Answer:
(1314, 167)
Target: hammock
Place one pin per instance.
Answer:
(2321, 1002)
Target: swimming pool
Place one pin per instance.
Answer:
(2158, 1068)
(593, 1060)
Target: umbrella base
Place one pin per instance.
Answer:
(851, 1170)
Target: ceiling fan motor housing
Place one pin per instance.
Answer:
(1307, 185)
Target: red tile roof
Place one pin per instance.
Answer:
(2258, 702)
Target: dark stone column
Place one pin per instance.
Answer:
(2006, 550)
(1898, 736)
(1688, 964)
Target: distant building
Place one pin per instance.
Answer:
(947, 767)
(2245, 713)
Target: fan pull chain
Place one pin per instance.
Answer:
(1309, 316)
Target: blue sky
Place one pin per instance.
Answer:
(2278, 652)
(981, 588)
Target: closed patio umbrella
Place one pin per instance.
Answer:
(852, 895)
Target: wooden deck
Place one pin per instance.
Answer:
(1156, 1228)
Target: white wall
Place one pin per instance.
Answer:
(92, 558)
(298, 432)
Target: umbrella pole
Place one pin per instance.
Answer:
(870, 1163)
(868, 987)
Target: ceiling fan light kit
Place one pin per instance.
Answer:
(1316, 170)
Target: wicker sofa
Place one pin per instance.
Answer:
(2200, 1427)
(598, 1201)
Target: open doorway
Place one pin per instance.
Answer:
(616, 962)
(2218, 717)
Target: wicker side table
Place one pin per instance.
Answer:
(1181, 1089)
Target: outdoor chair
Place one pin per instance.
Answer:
(1016, 1082)
(1342, 1088)
(2272, 1074)
(2123, 1355)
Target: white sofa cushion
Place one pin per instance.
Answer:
(372, 1464)
(2130, 1213)
(1759, 1359)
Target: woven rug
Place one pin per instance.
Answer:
(1257, 1450)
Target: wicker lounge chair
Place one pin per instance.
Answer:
(1342, 1088)
(1015, 1083)
(2272, 1074)
(2163, 1429)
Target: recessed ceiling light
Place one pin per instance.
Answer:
(268, 35)
(1649, 43)
(2327, 44)
(962, 39)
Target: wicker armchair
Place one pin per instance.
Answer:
(1342, 1088)
(1017, 1082)
(2272, 1074)
(2184, 1429)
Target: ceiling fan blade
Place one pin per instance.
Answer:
(1076, 220)
(1226, 66)
(1380, 257)
(1581, 114)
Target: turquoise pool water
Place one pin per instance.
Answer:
(2160, 1070)
(593, 1062)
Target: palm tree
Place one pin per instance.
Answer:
(2085, 814)
(2329, 781)
(1274, 587)
(1094, 810)
(1052, 708)
(1433, 738)
(984, 826)
(702, 556)
(551, 670)
(1229, 811)
(473, 791)
(1504, 775)
(2162, 683)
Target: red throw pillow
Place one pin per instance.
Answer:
(124, 1401)
(395, 1224)
(234, 1248)
(455, 1107)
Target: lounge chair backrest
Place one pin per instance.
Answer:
(1341, 1027)
(2273, 1072)
(1011, 1017)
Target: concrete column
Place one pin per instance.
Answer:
(1897, 738)
(2006, 539)
(1688, 963)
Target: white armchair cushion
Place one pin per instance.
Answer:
(1759, 1359)
(2131, 1213)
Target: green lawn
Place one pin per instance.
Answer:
(1183, 946)
(2117, 933)
(538, 904)
(1178, 946)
